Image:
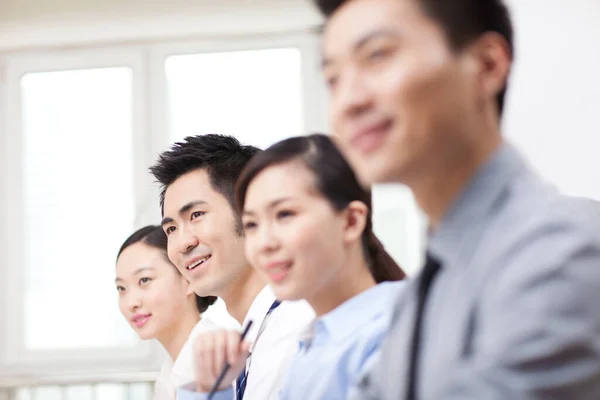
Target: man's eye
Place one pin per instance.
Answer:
(197, 214)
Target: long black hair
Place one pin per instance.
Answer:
(335, 181)
(154, 236)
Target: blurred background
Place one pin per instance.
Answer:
(91, 92)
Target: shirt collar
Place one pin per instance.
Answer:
(352, 315)
(258, 311)
(453, 240)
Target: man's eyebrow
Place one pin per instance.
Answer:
(361, 42)
(184, 209)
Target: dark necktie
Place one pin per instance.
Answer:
(432, 266)
(240, 382)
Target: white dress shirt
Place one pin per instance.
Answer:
(272, 352)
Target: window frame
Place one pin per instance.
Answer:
(15, 358)
(150, 135)
(308, 43)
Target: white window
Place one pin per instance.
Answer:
(78, 189)
(254, 94)
(259, 90)
(399, 225)
(73, 131)
(83, 127)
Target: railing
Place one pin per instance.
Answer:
(130, 386)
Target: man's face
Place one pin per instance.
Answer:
(201, 228)
(399, 96)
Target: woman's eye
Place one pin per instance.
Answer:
(284, 214)
(120, 289)
(170, 230)
(144, 280)
(377, 54)
(249, 225)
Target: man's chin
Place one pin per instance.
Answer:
(204, 288)
(370, 175)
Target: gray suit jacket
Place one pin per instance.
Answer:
(515, 311)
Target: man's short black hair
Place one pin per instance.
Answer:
(461, 20)
(223, 157)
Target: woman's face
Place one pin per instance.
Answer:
(152, 294)
(294, 237)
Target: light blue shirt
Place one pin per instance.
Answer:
(341, 344)
(514, 312)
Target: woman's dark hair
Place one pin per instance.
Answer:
(154, 236)
(335, 180)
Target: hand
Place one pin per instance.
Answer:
(212, 350)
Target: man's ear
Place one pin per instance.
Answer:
(493, 59)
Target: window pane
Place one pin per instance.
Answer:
(78, 204)
(254, 95)
(139, 391)
(23, 394)
(112, 391)
(78, 392)
(399, 225)
(47, 393)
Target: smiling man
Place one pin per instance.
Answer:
(205, 242)
(507, 304)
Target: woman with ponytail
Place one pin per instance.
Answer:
(308, 231)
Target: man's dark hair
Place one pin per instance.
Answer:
(462, 21)
(223, 157)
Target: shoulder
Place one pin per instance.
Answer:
(164, 387)
(182, 370)
(548, 244)
(364, 343)
(531, 205)
(537, 225)
(390, 290)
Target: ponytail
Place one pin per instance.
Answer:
(382, 265)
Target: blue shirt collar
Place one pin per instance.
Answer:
(350, 316)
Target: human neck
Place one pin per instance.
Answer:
(354, 279)
(240, 294)
(436, 189)
(174, 340)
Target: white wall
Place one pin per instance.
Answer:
(37, 24)
(553, 112)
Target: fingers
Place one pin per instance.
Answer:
(220, 351)
(246, 348)
(212, 351)
(204, 361)
(233, 347)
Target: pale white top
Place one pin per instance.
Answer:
(175, 374)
